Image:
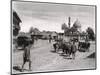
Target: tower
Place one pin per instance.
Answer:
(69, 23)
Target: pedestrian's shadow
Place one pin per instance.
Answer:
(53, 51)
(69, 58)
(61, 54)
(17, 68)
(65, 56)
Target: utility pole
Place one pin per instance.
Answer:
(69, 23)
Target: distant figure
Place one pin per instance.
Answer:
(36, 38)
(56, 46)
(32, 37)
(26, 55)
(50, 38)
(73, 49)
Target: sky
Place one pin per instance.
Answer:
(50, 17)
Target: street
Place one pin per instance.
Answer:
(44, 59)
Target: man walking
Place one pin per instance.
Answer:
(73, 49)
(50, 38)
(26, 55)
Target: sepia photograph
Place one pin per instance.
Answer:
(52, 37)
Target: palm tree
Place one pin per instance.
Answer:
(64, 26)
(34, 30)
(71, 30)
(31, 30)
(66, 29)
(75, 27)
(90, 32)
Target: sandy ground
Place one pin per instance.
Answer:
(43, 59)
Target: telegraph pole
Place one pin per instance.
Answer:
(69, 23)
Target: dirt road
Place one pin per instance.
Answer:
(43, 59)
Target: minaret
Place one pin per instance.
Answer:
(69, 23)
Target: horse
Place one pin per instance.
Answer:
(67, 48)
(83, 46)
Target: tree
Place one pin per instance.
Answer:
(31, 30)
(83, 33)
(90, 33)
(75, 27)
(77, 24)
(64, 26)
(66, 29)
(34, 31)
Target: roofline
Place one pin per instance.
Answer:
(15, 14)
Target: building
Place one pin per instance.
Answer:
(54, 35)
(16, 23)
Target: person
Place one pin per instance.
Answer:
(50, 38)
(26, 55)
(56, 46)
(73, 49)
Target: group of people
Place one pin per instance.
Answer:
(71, 47)
(68, 48)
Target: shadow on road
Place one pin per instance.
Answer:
(68, 58)
(65, 56)
(53, 51)
(17, 68)
(93, 55)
